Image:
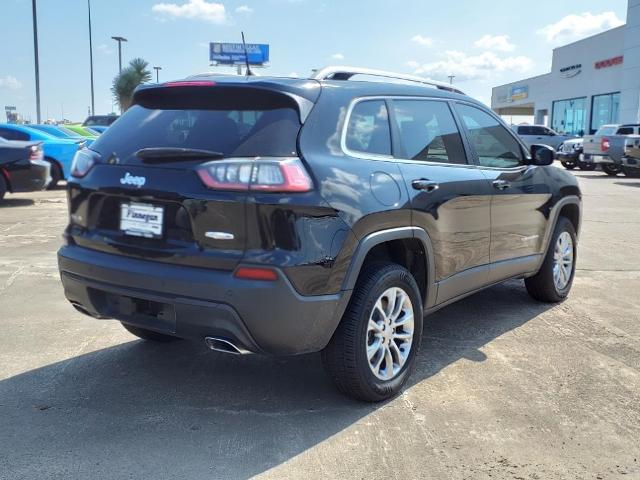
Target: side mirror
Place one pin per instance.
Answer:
(542, 155)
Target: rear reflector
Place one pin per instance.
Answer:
(256, 273)
(190, 83)
(257, 174)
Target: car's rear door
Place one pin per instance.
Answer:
(519, 193)
(450, 198)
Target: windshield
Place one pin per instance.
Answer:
(233, 132)
(607, 130)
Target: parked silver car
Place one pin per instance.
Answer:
(540, 135)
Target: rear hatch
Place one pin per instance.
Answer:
(170, 181)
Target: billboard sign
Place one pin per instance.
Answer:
(233, 53)
(519, 93)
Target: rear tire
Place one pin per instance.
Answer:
(371, 335)
(56, 174)
(611, 169)
(3, 187)
(631, 172)
(149, 335)
(544, 286)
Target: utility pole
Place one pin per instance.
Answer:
(119, 40)
(35, 54)
(451, 77)
(157, 69)
(91, 60)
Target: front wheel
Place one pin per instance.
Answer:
(611, 169)
(372, 352)
(56, 174)
(3, 187)
(587, 167)
(553, 281)
(568, 164)
(631, 172)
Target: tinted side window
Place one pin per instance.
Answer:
(492, 142)
(525, 131)
(625, 131)
(368, 129)
(538, 131)
(428, 131)
(10, 134)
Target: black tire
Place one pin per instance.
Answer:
(145, 334)
(345, 357)
(631, 172)
(56, 174)
(3, 187)
(587, 167)
(542, 286)
(569, 165)
(611, 169)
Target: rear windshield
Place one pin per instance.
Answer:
(606, 130)
(242, 130)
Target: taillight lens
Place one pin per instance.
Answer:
(256, 273)
(256, 174)
(605, 144)
(83, 160)
(35, 153)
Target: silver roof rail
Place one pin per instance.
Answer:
(345, 73)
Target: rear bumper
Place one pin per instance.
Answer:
(32, 179)
(193, 303)
(591, 158)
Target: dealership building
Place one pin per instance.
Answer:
(592, 82)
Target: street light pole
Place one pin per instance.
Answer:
(451, 77)
(35, 54)
(157, 69)
(93, 104)
(119, 40)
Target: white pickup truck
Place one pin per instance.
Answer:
(607, 148)
(631, 158)
(540, 135)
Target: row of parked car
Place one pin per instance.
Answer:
(38, 156)
(616, 148)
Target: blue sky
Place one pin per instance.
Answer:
(484, 43)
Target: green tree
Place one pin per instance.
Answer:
(136, 73)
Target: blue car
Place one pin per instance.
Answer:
(60, 131)
(59, 152)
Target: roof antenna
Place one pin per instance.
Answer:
(246, 56)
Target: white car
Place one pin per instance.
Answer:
(540, 135)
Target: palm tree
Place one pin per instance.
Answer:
(126, 82)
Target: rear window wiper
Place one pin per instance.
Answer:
(162, 154)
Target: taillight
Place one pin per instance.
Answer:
(259, 174)
(256, 273)
(83, 160)
(35, 153)
(604, 144)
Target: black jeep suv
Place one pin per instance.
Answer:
(286, 216)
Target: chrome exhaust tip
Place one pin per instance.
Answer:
(225, 346)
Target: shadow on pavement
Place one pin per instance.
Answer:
(16, 202)
(141, 410)
(629, 184)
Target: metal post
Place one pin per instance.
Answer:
(119, 40)
(35, 54)
(157, 69)
(451, 77)
(93, 109)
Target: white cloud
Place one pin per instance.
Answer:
(104, 48)
(422, 40)
(413, 64)
(574, 27)
(472, 67)
(244, 9)
(499, 43)
(9, 82)
(193, 9)
(337, 56)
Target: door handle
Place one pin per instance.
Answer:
(424, 184)
(501, 184)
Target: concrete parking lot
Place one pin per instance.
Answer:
(505, 387)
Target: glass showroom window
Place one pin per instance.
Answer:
(605, 110)
(570, 116)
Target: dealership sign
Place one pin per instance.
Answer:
(609, 62)
(234, 53)
(571, 70)
(519, 93)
